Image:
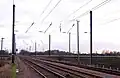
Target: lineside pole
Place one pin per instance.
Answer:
(49, 43)
(2, 44)
(91, 37)
(13, 36)
(69, 42)
(78, 42)
(35, 49)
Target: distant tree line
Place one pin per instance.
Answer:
(114, 53)
(4, 52)
(52, 52)
(57, 52)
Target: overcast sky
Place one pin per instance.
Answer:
(106, 23)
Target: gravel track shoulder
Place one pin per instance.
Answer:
(24, 70)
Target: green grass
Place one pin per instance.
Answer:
(13, 71)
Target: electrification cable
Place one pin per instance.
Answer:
(71, 28)
(25, 42)
(46, 8)
(80, 7)
(113, 20)
(94, 8)
(51, 11)
(48, 27)
(29, 27)
(40, 15)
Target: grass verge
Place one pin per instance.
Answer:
(13, 71)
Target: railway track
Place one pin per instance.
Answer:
(41, 74)
(69, 70)
(65, 72)
(108, 71)
(43, 71)
(87, 72)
